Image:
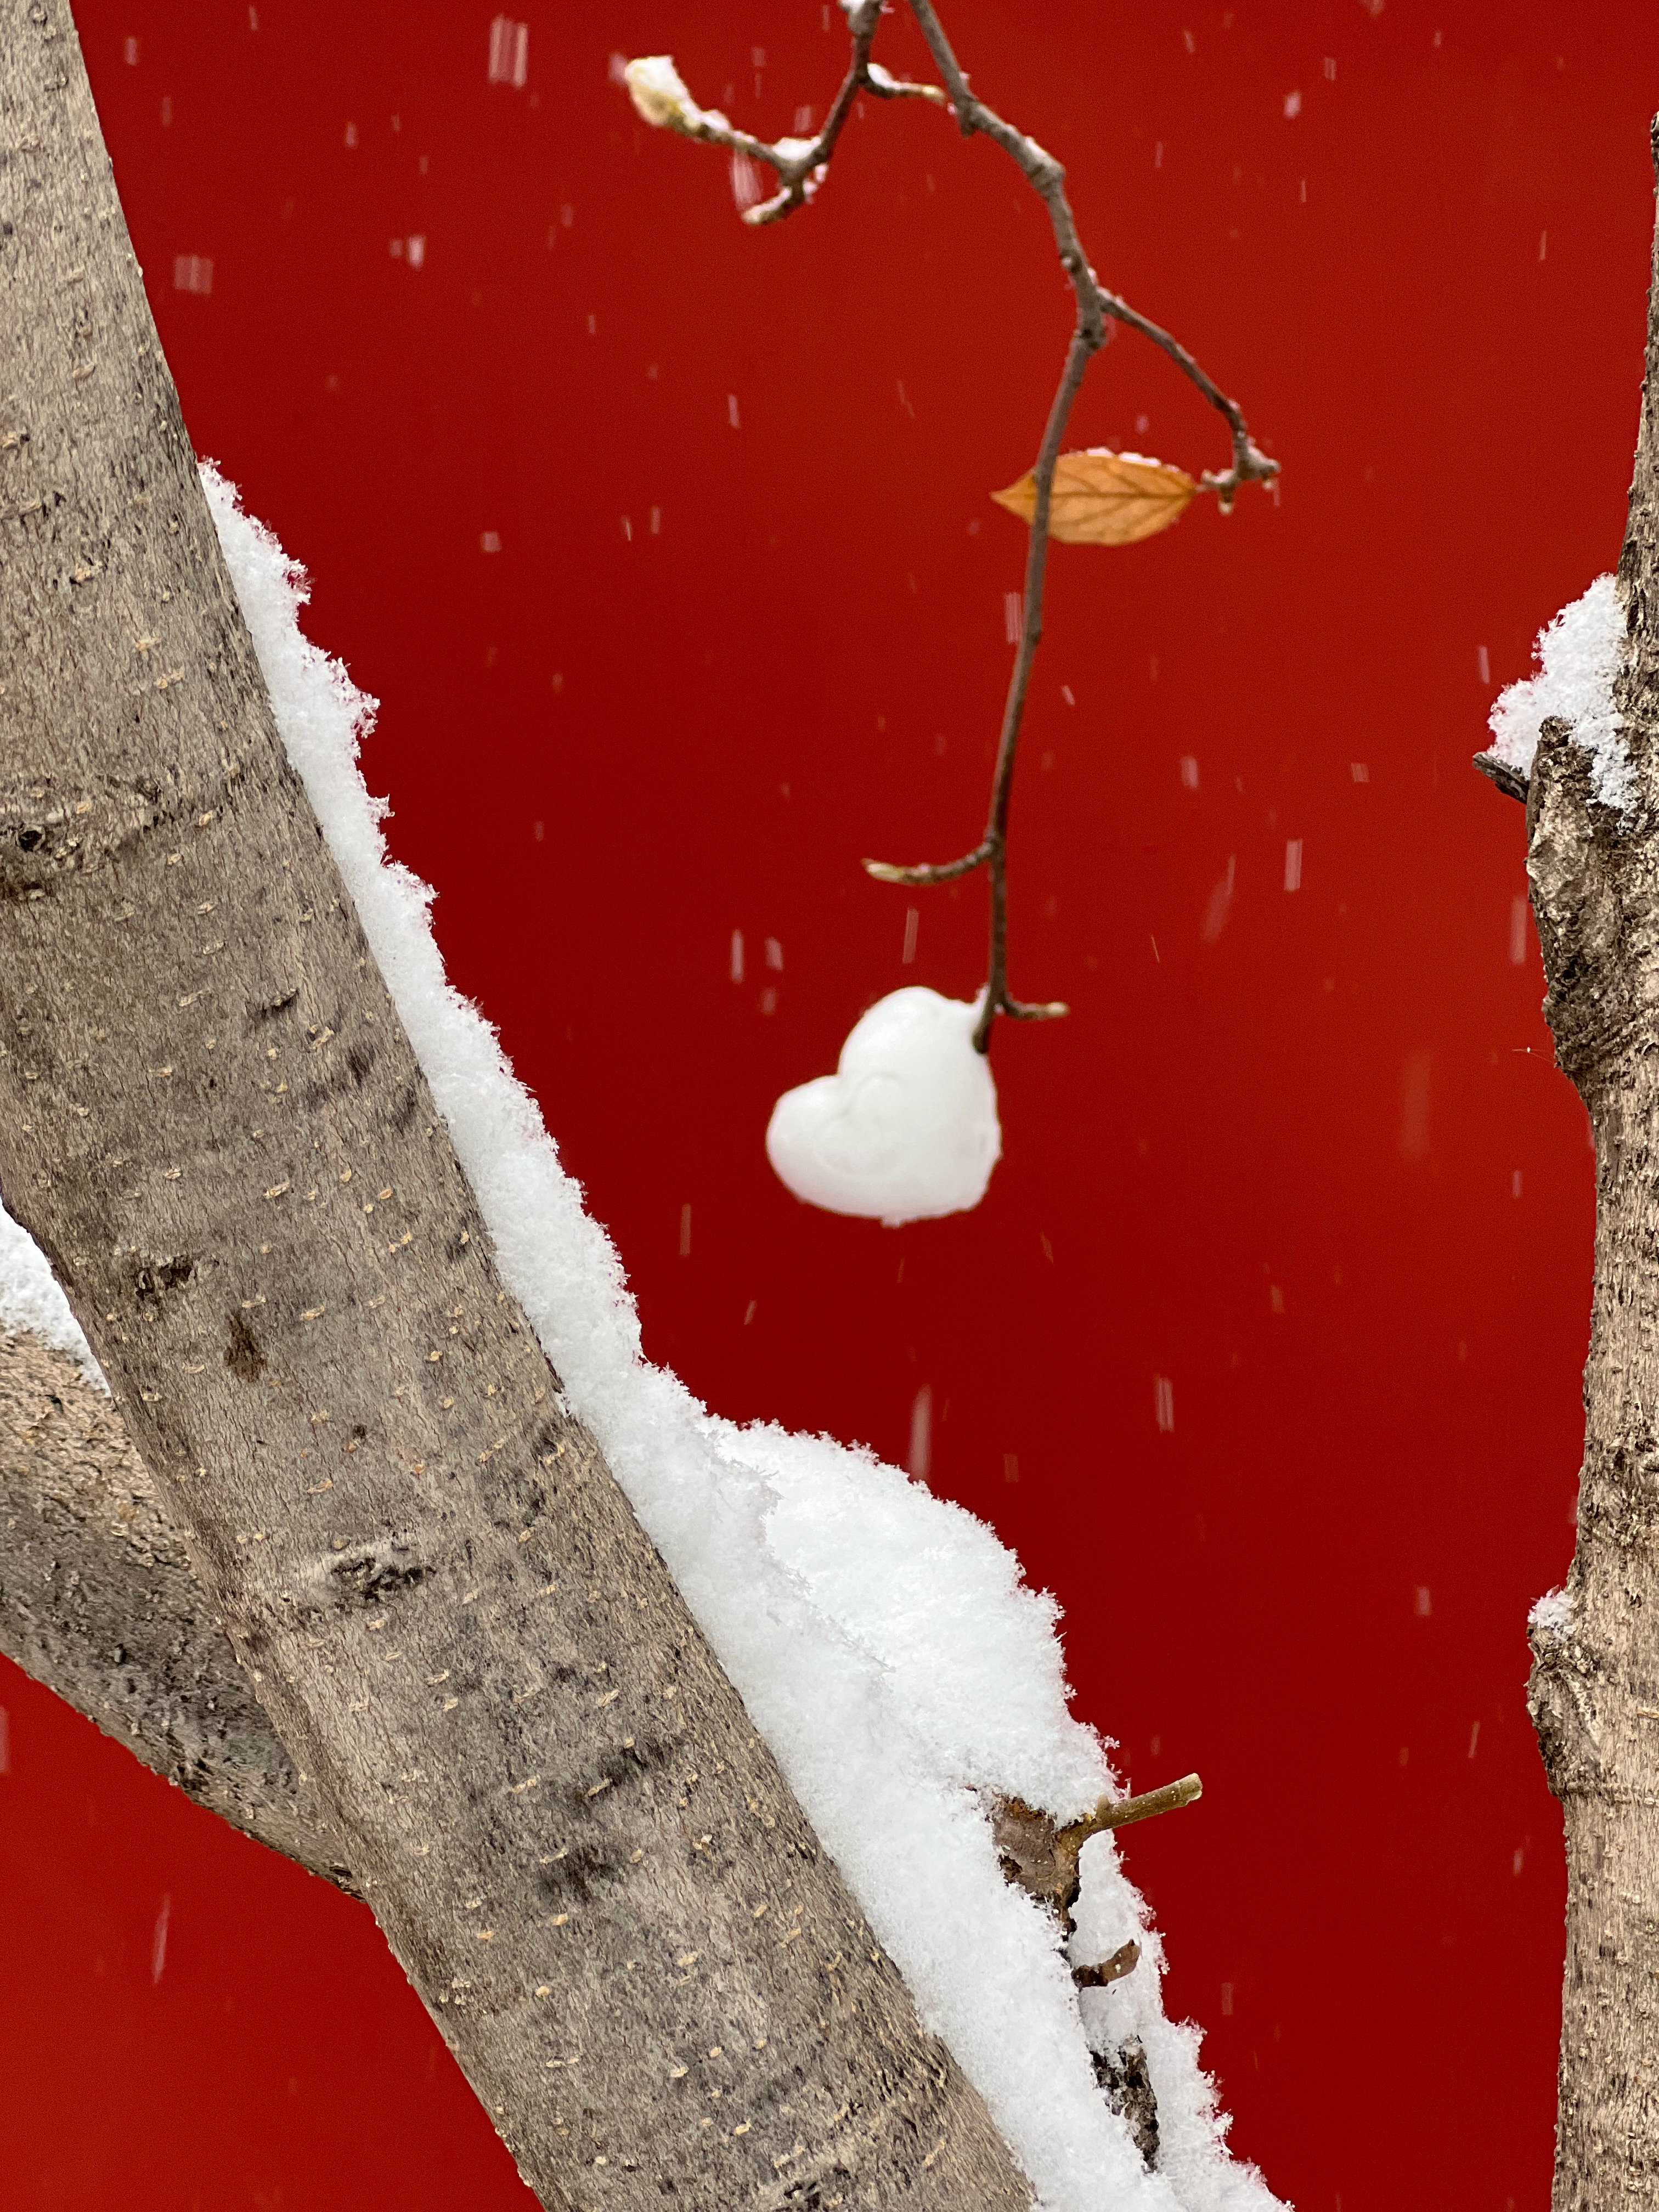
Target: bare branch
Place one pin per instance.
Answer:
(801, 165)
(944, 871)
(1086, 340)
(660, 96)
(1250, 465)
(1040, 1857)
(1095, 304)
(884, 87)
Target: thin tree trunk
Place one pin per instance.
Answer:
(211, 1121)
(97, 1601)
(1594, 1687)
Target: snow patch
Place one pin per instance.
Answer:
(1552, 1612)
(31, 1300)
(1577, 656)
(883, 1639)
(906, 1128)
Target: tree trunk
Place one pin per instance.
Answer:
(97, 1601)
(1594, 1687)
(212, 1122)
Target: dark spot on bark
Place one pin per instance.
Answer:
(335, 1085)
(406, 1108)
(242, 1354)
(616, 1768)
(515, 1500)
(380, 1573)
(547, 1440)
(358, 1433)
(577, 1873)
(359, 1059)
(655, 1751)
(31, 840)
(259, 1015)
(159, 1275)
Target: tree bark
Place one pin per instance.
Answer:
(212, 1122)
(1594, 1687)
(97, 1601)
(98, 1604)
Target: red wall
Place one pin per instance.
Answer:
(608, 753)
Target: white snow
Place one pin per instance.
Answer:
(1553, 1613)
(883, 1638)
(905, 1129)
(31, 1300)
(1577, 655)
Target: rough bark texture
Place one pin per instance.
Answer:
(212, 1122)
(1595, 1688)
(97, 1601)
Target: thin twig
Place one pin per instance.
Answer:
(1094, 307)
(662, 99)
(801, 165)
(1041, 1856)
(1120, 1812)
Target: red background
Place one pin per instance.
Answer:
(610, 752)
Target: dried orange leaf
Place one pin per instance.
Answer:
(1102, 498)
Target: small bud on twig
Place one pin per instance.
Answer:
(660, 94)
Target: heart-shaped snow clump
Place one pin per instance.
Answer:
(905, 1129)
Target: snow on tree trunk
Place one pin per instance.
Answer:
(212, 1121)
